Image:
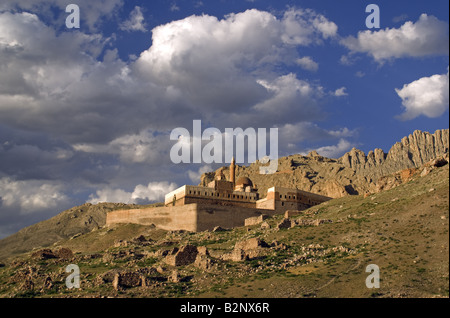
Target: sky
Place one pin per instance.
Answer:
(86, 113)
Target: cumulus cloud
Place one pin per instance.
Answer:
(307, 63)
(426, 96)
(291, 137)
(334, 151)
(428, 36)
(195, 175)
(305, 26)
(145, 147)
(135, 22)
(291, 98)
(340, 92)
(30, 196)
(228, 56)
(153, 192)
(97, 121)
(231, 57)
(94, 12)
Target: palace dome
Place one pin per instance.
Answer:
(244, 181)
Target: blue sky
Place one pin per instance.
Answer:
(85, 114)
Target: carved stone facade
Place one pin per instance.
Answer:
(223, 203)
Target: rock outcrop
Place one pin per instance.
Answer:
(352, 174)
(412, 151)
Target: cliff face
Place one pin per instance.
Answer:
(353, 173)
(412, 151)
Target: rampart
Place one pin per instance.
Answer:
(190, 217)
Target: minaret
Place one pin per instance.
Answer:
(232, 170)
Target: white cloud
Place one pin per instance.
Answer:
(135, 22)
(400, 18)
(341, 92)
(95, 112)
(335, 151)
(307, 63)
(145, 147)
(231, 57)
(428, 96)
(94, 13)
(174, 7)
(30, 196)
(428, 36)
(195, 176)
(154, 191)
(292, 135)
(236, 58)
(305, 26)
(291, 97)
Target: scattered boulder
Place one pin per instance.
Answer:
(290, 213)
(202, 250)
(175, 277)
(278, 246)
(161, 269)
(236, 255)
(139, 240)
(245, 250)
(426, 171)
(203, 262)
(27, 285)
(251, 244)
(185, 256)
(121, 243)
(309, 222)
(109, 276)
(127, 280)
(64, 253)
(48, 283)
(44, 254)
(219, 229)
(438, 162)
(407, 174)
(255, 220)
(285, 224)
(265, 225)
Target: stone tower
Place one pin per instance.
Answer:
(232, 171)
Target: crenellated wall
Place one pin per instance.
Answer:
(168, 218)
(195, 208)
(190, 217)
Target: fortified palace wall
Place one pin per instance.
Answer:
(223, 203)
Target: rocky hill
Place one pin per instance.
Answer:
(322, 252)
(70, 223)
(353, 173)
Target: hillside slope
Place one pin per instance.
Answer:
(75, 221)
(354, 173)
(323, 252)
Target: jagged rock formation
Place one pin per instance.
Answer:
(353, 173)
(412, 151)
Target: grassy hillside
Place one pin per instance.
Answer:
(75, 221)
(403, 230)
